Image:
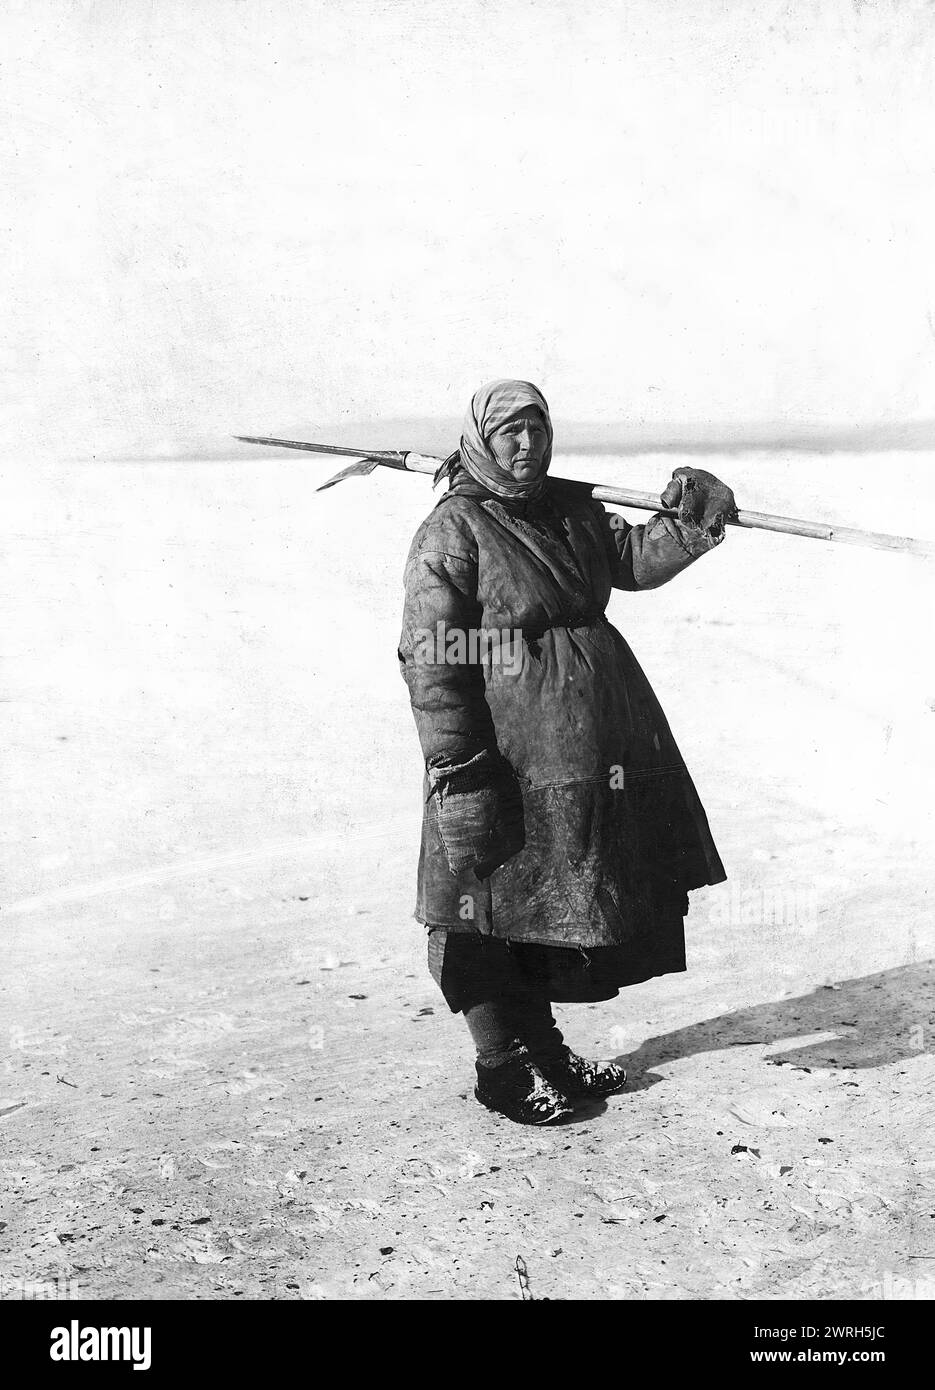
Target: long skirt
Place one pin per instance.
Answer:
(470, 968)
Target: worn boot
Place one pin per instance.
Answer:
(517, 1089)
(579, 1079)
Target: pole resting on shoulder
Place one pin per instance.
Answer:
(410, 462)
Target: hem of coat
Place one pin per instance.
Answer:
(588, 940)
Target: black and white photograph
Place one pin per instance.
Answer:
(468, 688)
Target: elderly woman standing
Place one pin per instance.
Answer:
(561, 831)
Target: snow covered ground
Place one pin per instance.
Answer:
(226, 1070)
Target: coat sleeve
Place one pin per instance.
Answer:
(448, 697)
(646, 556)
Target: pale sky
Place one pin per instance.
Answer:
(231, 216)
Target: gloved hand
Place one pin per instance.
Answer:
(480, 813)
(702, 500)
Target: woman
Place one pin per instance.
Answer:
(561, 831)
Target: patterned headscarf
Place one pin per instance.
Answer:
(492, 406)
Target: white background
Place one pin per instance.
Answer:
(231, 217)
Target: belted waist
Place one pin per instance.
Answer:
(533, 631)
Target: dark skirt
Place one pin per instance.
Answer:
(470, 968)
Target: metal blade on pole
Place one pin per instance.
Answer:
(369, 459)
(354, 470)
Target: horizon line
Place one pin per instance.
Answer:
(591, 438)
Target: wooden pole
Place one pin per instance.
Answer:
(620, 496)
(753, 521)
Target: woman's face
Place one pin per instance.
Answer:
(520, 445)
